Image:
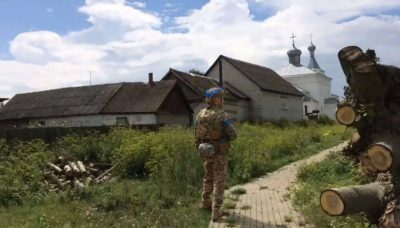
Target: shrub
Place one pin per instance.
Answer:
(21, 173)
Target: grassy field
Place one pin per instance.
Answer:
(335, 171)
(160, 174)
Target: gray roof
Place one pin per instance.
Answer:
(85, 100)
(307, 98)
(200, 84)
(264, 77)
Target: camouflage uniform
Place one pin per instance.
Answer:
(214, 126)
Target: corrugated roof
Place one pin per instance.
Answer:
(86, 100)
(264, 77)
(139, 97)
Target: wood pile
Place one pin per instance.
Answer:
(65, 173)
(372, 107)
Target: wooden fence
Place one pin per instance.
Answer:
(50, 134)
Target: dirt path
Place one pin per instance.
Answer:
(266, 201)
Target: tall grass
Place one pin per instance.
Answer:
(161, 174)
(335, 171)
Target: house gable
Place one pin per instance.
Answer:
(265, 78)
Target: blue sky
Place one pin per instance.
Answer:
(62, 16)
(55, 43)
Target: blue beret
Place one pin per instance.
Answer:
(213, 92)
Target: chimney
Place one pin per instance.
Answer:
(151, 81)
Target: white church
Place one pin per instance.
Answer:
(312, 81)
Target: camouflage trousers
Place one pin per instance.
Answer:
(215, 168)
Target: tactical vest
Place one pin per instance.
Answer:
(209, 126)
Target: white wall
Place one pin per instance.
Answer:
(263, 105)
(275, 110)
(330, 111)
(319, 88)
(95, 120)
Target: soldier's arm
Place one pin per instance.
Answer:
(229, 129)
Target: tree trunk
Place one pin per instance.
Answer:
(346, 115)
(384, 152)
(354, 199)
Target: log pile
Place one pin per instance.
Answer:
(372, 107)
(64, 173)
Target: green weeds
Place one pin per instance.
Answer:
(335, 171)
(161, 174)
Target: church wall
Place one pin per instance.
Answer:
(330, 110)
(318, 86)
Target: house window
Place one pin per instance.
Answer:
(122, 121)
(284, 104)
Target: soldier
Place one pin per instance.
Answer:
(214, 131)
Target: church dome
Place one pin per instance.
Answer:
(294, 51)
(312, 47)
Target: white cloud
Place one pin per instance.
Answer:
(139, 5)
(125, 42)
(49, 10)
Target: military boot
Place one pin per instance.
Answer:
(216, 215)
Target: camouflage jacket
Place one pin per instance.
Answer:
(213, 124)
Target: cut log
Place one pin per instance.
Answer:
(88, 181)
(367, 165)
(361, 74)
(346, 115)
(81, 167)
(68, 170)
(104, 174)
(53, 178)
(92, 170)
(355, 137)
(54, 167)
(354, 199)
(78, 184)
(74, 167)
(384, 152)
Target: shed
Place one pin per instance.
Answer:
(126, 103)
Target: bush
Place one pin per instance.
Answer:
(21, 175)
(324, 119)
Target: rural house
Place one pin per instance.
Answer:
(153, 103)
(194, 87)
(312, 81)
(2, 100)
(270, 96)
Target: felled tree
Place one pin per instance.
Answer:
(372, 107)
